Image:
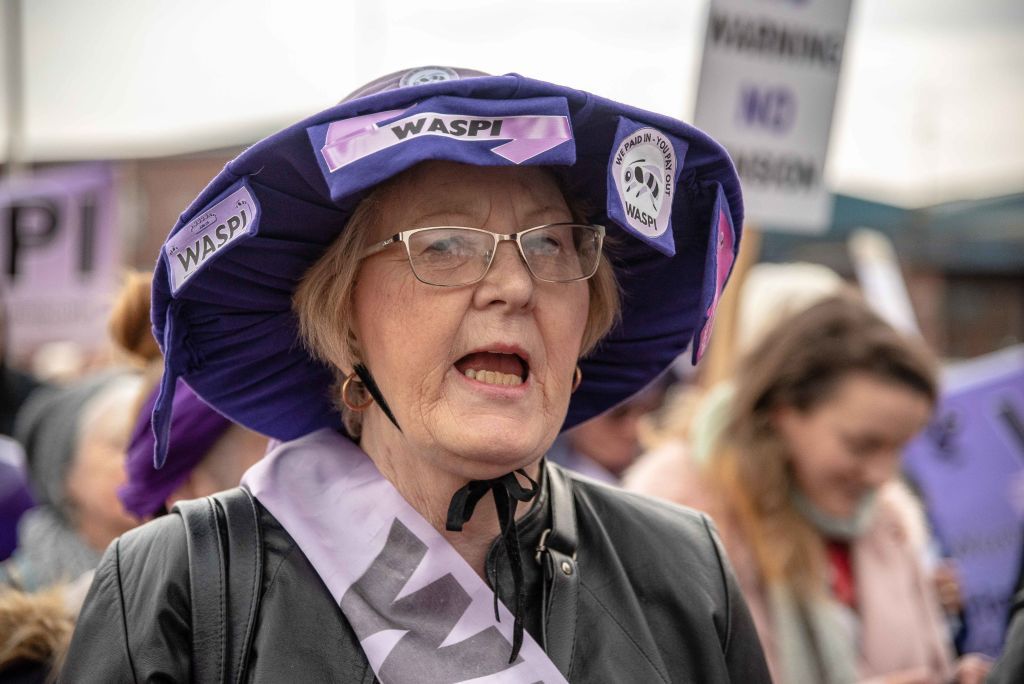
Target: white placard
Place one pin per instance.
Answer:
(767, 90)
(881, 280)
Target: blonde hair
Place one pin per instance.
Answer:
(799, 364)
(128, 324)
(323, 300)
(132, 332)
(35, 628)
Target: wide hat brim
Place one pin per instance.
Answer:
(224, 281)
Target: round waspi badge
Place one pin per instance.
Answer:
(429, 74)
(644, 168)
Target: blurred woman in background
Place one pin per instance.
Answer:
(802, 481)
(79, 438)
(75, 439)
(209, 452)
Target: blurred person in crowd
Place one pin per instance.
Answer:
(419, 370)
(604, 447)
(207, 454)
(771, 293)
(62, 362)
(1009, 669)
(75, 440)
(35, 629)
(15, 386)
(210, 454)
(15, 494)
(802, 481)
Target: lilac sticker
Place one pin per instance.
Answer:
(208, 234)
(353, 139)
(642, 174)
(726, 241)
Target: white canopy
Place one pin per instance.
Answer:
(929, 108)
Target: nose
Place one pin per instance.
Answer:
(508, 282)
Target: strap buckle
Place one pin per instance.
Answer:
(542, 545)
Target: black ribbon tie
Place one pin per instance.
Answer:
(508, 492)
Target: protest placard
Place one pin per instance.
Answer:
(60, 254)
(969, 467)
(767, 89)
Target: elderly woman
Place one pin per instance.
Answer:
(410, 292)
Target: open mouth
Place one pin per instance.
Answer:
(494, 368)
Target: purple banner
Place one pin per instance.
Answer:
(969, 466)
(60, 254)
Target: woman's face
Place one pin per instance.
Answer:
(848, 445)
(420, 341)
(92, 482)
(97, 468)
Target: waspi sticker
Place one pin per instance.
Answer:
(644, 169)
(521, 137)
(208, 233)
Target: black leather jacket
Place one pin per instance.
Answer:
(648, 597)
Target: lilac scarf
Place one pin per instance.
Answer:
(421, 613)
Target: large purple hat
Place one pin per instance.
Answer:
(223, 284)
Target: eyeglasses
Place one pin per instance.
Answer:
(452, 256)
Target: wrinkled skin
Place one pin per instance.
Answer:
(411, 334)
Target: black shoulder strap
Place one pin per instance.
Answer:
(207, 588)
(245, 574)
(557, 554)
(225, 552)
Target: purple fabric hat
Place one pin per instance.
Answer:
(224, 281)
(195, 429)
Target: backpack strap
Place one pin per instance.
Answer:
(207, 588)
(225, 552)
(245, 574)
(557, 555)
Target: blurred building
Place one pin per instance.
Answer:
(963, 263)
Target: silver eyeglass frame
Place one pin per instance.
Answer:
(403, 237)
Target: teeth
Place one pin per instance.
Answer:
(493, 378)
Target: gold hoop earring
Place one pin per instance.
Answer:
(349, 404)
(577, 378)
